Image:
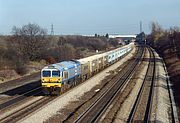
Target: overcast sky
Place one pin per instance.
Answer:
(89, 16)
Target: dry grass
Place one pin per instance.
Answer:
(6, 75)
(33, 66)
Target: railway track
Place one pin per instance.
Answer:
(20, 98)
(22, 105)
(141, 110)
(94, 112)
(20, 113)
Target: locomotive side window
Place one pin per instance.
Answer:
(46, 73)
(55, 73)
(65, 74)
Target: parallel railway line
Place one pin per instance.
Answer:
(20, 98)
(24, 111)
(10, 111)
(17, 107)
(141, 109)
(97, 109)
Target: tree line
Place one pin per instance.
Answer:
(165, 41)
(32, 43)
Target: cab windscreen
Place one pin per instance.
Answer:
(46, 73)
(55, 73)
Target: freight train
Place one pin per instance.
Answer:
(59, 77)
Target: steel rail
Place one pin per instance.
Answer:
(139, 96)
(150, 98)
(19, 98)
(107, 97)
(24, 111)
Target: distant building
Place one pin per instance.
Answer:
(122, 36)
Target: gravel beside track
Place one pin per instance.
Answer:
(162, 108)
(74, 94)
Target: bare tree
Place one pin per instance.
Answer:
(29, 41)
(156, 31)
(66, 52)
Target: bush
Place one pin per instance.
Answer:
(50, 59)
(9, 59)
(20, 67)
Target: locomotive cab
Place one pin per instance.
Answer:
(51, 76)
(51, 80)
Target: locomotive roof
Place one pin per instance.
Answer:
(63, 65)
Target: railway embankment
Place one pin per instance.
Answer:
(163, 101)
(166, 107)
(20, 84)
(167, 44)
(172, 61)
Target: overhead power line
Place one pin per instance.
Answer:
(52, 29)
